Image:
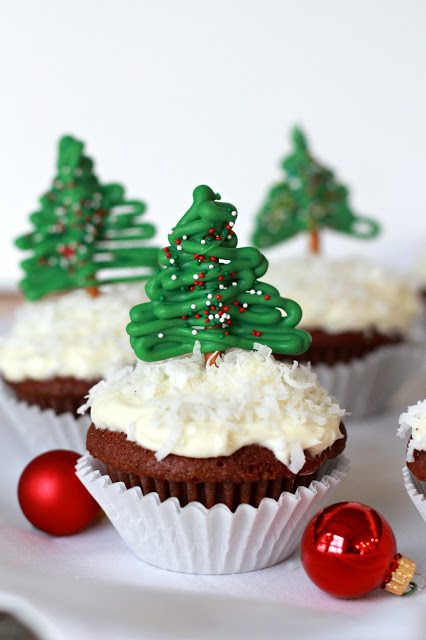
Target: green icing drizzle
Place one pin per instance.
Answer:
(83, 231)
(208, 283)
(309, 198)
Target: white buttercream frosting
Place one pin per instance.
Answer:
(415, 419)
(72, 335)
(181, 406)
(346, 295)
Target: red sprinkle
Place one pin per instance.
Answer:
(220, 278)
(258, 333)
(242, 309)
(178, 241)
(201, 258)
(254, 332)
(219, 297)
(226, 333)
(228, 226)
(218, 237)
(226, 308)
(168, 255)
(220, 313)
(195, 256)
(184, 317)
(205, 311)
(229, 322)
(206, 320)
(211, 230)
(213, 258)
(267, 297)
(166, 249)
(213, 308)
(191, 288)
(233, 274)
(197, 315)
(201, 275)
(236, 303)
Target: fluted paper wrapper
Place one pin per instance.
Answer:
(194, 539)
(416, 489)
(387, 378)
(35, 430)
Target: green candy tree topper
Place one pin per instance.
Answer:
(85, 233)
(309, 199)
(210, 291)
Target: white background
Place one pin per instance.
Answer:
(170, 94)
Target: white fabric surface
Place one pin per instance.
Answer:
(91, 585)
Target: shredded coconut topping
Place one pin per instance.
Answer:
(71, 335)
(415, 419)
(346, 295)
(181, 406)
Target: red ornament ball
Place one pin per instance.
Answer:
(348, 550)
(52, 497)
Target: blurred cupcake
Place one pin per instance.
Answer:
(212, 462)
(86, 240)
(60, 347)
(351, 307)
(413, 421)
(421, 274)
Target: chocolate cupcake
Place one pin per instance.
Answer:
(234, 445)
(415, 419)
(58, 348)
(414, 473)
(351, 307)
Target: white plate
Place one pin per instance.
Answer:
(91, 585)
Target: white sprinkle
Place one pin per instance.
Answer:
(221, 286)
(228, 237)
(234, 284)
(193, 306)
(203, 242)
(220, 304)
(259, 293)
(170, 232)
(179, 248)
(208, 302)
(211, 317)
(209, 295)
(184, 237)
(194, 332)
(234, 213)
(174, 277)
(252, 291)
(245, 305)
(216, 315)
(231, 224)
(211, 266)
(161, 335)
(172, 261)
(195, 276)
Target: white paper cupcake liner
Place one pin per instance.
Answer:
(387, 378)
(36, 430)
(416, 489)
(193, 539)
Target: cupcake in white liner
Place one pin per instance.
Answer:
(414, 473)
(232, 459)
(194, 539)
(55, 351)
(362, 317)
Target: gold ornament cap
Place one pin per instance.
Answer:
(401, 576)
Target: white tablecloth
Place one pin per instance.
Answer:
(90, 584)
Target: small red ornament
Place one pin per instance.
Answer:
(348, 550)
(52, 497)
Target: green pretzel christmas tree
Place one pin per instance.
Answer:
(309, 199)
(85, 233)
(208, 283)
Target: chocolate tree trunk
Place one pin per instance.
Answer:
(215, 354)
(314, 241)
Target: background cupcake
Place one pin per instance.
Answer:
(84, 235)
(413, 421)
